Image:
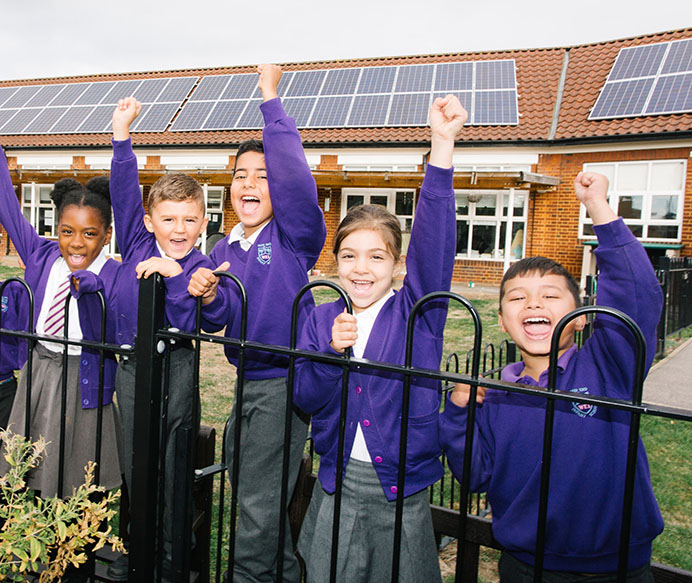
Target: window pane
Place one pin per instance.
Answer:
(637, 230)
(462, 201)
(404, 203)
(663, 232)
(214, 199)
(354, 200)
(483, 239)
(632, 176)
(26, 193)
(381, 200)
(462, 237)
(45, 222)
(664, 207)
(630, 207)
(44, 194)
(516, 248)
(486, 206)
(608, 170)
(588, 230)
(518, 210)
(666, 176)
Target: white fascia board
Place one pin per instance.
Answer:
(44, 161)
(494, 158)
(380, 157)
(195, 160)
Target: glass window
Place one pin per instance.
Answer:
(483, 221)
(647, 195)
(38, 208)
(215, 209)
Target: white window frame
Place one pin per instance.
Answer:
(614, 194)
(502, 248)
(34, 206)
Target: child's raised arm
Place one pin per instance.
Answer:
(125, 113)
(591, 190)
(269, 77)
(447, 117)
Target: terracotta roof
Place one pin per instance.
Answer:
(538, 78)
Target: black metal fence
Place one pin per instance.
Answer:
(481, 369)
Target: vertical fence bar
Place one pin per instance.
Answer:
(147, 421)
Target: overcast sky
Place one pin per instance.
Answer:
(53, 38)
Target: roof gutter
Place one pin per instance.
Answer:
(560, 92)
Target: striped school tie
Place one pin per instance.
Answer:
(55, 321)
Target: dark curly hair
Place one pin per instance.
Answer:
(95, 193)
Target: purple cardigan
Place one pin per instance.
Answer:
(374, 398)
(13, 317)
(277, 264)
(137, 244)
(39, 254)
(590, 442)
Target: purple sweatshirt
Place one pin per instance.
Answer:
(374, 398)
(590, 442)
(137, 244)
(39, 254)
(277, 264)
(13, 317)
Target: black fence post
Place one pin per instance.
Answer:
(145, 460)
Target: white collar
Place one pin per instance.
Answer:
(163, 253)
(238, 234)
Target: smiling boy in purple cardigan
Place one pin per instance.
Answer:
(278, 240)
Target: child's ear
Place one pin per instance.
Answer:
(580, 323)
(109, 234)
(500, 322)
(148, 224)
(397, 268)
(205, 222)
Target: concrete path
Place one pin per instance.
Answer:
(670, 381)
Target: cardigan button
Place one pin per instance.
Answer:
(394, 489)
(378, 459)
(366, 423)
(85, 362)
(85, 381)
(358, 390)
(85, 401)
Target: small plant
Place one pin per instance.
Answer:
(52, 532)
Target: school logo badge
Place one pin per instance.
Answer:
(264, 253)
(4, 304)
(583, 409)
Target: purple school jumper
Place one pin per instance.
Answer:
(14, 317)
(39, 254)
(374, 398)
(589, 443)
(276, 266)
(137, 244)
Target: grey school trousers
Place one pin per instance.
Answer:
(259, 480)
(179, 414)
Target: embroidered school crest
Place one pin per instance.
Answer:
(4, 303)
(264, 253)
(583, 409)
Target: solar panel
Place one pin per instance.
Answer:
(5, 115)
(225, 115)
(414, 78)
(495, 75)
(252, 116)
(177, 89)
(409, 109)
(192, 116)
(6, 93)
(241, 87)
(69, 94)
(671, 94)
(377, 80)
(98, 120)
(95, 93)
(331, 111)
(495, 107)
(20, 120)
(679, 58)
(121, 90)
(156, 118)
(369, 110)
(45, 120)
(452, 77)
(44, 96)
(648, 80)
(465, 97)
(340, 82)
(306, 83)
(149, 90)
(23, 95)
(299, 108)
(210, 88)
(72, 119)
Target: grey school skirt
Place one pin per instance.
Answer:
(80, 426)
(366, 533)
